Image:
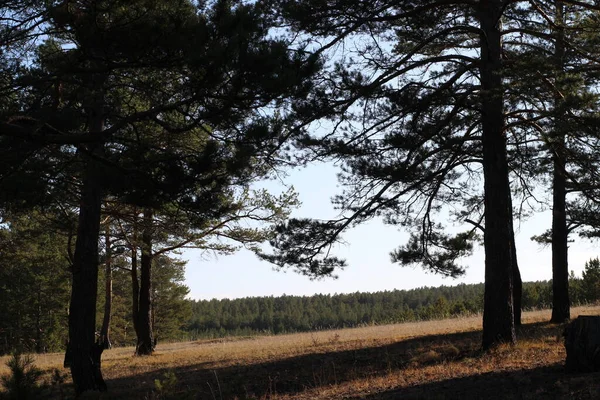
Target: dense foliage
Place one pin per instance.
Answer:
(34, 286)
(35, 264)
(273, 315)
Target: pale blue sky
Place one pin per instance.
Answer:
(367, 253)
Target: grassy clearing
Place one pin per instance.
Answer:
(433, 360)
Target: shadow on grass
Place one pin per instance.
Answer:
(550, 382)
(297, 374)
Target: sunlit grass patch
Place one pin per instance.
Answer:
(390, 361)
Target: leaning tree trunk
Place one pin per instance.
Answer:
(145, 343)
(560, 268)
(498, 316)
(108, 289)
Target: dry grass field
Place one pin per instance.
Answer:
(427, 360)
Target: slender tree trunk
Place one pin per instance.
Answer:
(560, 268)
(135, 289)
(145, 343)
(84, 354)
(517, 287)
(153, 325)
(38, 322)
(108, 289)
(517, 281)
(498, 314)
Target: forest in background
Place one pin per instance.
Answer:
(36, 295)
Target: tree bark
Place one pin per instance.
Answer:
(517, 284)
(560, 268)
(498, 312)
(84, 357)
(517, 292)
(153, 325)
(145, 343)
(582, 343)
(108, 289)
(83, 351)
(135, 288)
(517, 281)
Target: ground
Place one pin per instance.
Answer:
(426, 360)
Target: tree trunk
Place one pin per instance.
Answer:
(108, 289)
(84, 353)
(582, 342)
(517, 288)
(560, 268)
(84, 358)
(154, 331)
(145, 343)
(38, 322)
(498, 314)
(135, 288)
(517, 281)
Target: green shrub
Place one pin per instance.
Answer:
(167, 385)
(22, 382)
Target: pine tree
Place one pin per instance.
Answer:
(414, 113)
(170, 308)
(429, 99)
(566, 129)
(216, 67)
(591, 280)
(34, 271)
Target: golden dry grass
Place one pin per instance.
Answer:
(434, 359)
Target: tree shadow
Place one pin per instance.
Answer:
(297, 374)
(549, 382)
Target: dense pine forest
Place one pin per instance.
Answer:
(286, 314)
(37, 325)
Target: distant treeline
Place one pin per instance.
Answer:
(35, 300)
(273, 315)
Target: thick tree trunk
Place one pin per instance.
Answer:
(582, 343)
(498, 314)
(145, 343)
(560, 269)
(83, 352)
(108, 289)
